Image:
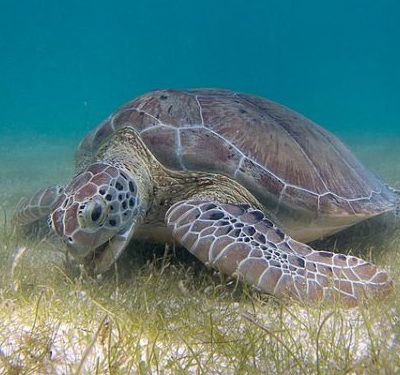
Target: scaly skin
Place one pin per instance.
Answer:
(238, 239)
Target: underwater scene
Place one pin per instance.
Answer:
(237, 210)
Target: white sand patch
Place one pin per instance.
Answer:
(64, 347)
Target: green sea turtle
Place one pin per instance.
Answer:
(239, 181)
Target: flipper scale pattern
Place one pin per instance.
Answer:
(240, 240)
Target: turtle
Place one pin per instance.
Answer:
(242, 182)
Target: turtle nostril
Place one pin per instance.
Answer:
(69, 240)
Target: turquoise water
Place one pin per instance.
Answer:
(66, 65)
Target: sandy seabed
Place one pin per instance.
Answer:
(27, 165)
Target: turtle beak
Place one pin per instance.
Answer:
(101, 259)
(106, 255)
(98, 260)
(106, 259)
(78, 252)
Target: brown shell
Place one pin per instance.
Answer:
(286, 160)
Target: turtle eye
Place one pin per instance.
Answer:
(92, 214)
(96, 212)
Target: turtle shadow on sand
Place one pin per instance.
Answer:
(378, 234)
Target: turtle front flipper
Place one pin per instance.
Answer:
(37, 208)
(240, 240)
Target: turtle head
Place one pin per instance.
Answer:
(100, 203)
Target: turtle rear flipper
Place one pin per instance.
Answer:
(240, 240)
(397, 208)
(396, 191)
(32, 213)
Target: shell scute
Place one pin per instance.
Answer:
(261, 182)
(171, 107)
(204, 150)
(163, 141)
(135, 118)
(301, 198)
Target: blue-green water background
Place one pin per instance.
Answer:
(65, 65)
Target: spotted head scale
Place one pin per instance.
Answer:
(99, 203)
